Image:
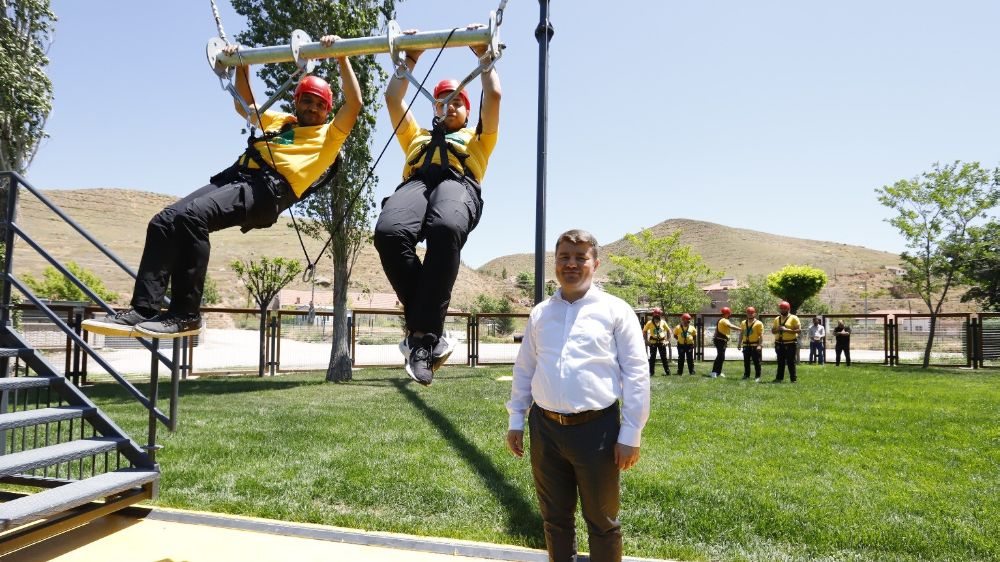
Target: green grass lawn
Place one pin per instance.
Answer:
(866, 463)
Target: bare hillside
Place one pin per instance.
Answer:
(735, 252)
(738, 252)
(118, 217)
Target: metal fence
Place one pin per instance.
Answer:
(297, 340)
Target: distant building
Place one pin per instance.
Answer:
(896, 270)
(719, 293)
(299, 298)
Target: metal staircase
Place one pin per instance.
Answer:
(54, 441)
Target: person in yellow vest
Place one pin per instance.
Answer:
(751, 340)
(786, 330)
(721, 341)
(685, 334)
(439, 202)
(656, 332)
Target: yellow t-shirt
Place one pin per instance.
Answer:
(685, 336)
(792, 322)
(300, 154)
(723, 327)
(657, 332)
(478, 147)
(754, 334)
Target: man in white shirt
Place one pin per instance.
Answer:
(817, 341)
(582, 353)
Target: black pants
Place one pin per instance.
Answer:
(685, 351)
(570, 459)
(786, 352)
(442, 208)
(846, 348)
(751, 353)
(720, 354)
(662, 348)
(177, 247)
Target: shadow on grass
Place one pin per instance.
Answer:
(523, 519)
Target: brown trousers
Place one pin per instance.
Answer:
(566, 460)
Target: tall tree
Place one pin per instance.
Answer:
(344, 211)
(981, 266)
(935, 212)
(796, 284)
(669, 274)
(26, 28)
(264, 280)
(753, 293)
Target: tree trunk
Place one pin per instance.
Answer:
(263, 340)
(339, 369)
(930, 340)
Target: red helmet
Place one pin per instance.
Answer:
(783, 305)
(685, 316)
(316, 86)
(751, 310)
(450, 86)
(657, 311)
(726, 311)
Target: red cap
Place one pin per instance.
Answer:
(783, 305)
(726, 311)
(450, 85)
(316, 86)
(751, 310)
(685, 316)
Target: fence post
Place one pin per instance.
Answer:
(272, 347)
(473, 336)
(77, 325)
(972, 329)
(699, 340)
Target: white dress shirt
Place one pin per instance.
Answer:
(817, 332)
(583, 356)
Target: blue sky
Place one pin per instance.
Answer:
(777, 116)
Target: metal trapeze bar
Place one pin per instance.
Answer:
(353, 47)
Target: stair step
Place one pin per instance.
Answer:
(16, 351)
(50, 502)
(56, 454)
(11, 383)
(26, 418)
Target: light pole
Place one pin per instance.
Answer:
(543, 33)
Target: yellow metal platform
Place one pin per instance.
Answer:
(160, 537)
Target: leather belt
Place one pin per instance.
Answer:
(577, 418)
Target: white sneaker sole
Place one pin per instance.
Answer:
(105, 329)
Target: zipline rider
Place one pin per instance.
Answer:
(277, 170)
(439, 202)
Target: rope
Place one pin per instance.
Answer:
(218, 22)
(350, 206)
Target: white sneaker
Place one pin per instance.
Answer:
(721, 375)
(712, 375)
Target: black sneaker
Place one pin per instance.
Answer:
(118, 323)
(419, 365)
(171, 325)
(441, 352)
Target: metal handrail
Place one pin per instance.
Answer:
(15, 181)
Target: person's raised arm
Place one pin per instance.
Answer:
(348, 113)
(395, 92)
(490, 110)
(242, 86)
